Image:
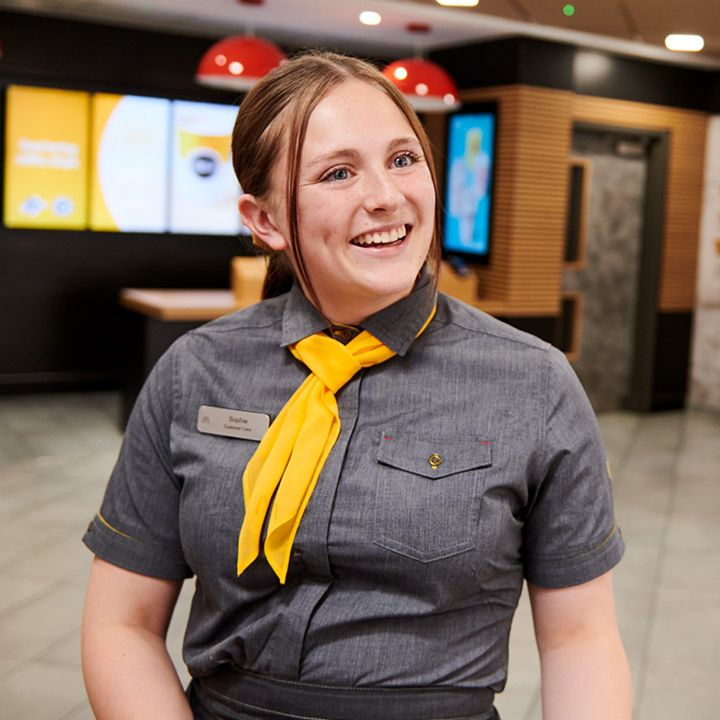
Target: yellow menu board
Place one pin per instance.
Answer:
(46, 147)
(129, 168)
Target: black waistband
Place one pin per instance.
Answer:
(252, 695)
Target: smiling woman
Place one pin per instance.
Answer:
(422, 462)
(365, 204)
(326, 126)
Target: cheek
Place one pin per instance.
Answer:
(423, 193)
(425, 203)
(318, 220)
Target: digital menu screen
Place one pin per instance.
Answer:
(46, 155)
(468, 186)
(204, 190)
(129, 173)
(122, 163)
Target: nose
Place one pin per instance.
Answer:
(382, 193)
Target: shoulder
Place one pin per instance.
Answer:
(467, 321)
(264, 319)
(264, 314)
(471, 336)
(235, 338)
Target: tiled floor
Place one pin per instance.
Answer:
(55, 455)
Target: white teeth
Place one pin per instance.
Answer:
(381, 238)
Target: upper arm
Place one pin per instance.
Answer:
(138, 525)
(119, 597)
(579, 613)
(569, 533)
(583, 664)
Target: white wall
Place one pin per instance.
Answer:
(705, 369)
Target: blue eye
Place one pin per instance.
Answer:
(340, 173)
(405, 160)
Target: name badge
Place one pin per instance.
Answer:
(232, 423)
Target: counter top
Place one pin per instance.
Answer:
(187, 305)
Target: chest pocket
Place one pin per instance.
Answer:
(428, 494)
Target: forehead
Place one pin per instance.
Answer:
(355, 111)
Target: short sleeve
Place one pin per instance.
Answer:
(570, 535)
(137, 527)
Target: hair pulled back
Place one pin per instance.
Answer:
(272, 122)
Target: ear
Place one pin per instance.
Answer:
(260, 219)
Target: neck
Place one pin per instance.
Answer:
(353, 313)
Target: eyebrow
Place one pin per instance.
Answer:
(352, 154)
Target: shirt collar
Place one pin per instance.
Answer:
(395, 326)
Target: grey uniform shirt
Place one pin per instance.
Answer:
(405, 571)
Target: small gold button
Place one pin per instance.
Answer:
(435, 460)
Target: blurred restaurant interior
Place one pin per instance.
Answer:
(601, 236)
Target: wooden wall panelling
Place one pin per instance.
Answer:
(531, 183)
(684, 185)
(541, 142)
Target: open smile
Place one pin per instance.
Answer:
(385, 238)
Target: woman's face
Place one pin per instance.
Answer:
(366, 203)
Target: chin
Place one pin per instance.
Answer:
(392, 291)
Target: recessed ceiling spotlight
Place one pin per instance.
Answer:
(458, 3)
(369, 17)
(686, 43)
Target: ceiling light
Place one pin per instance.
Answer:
(688, 43)
(458, 3)
(426, 85)
(370, 18)
(591, 67)
(238, 62)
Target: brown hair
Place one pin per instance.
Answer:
(273, 119)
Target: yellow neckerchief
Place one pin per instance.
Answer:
(291, 455)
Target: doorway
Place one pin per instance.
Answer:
(613, 261)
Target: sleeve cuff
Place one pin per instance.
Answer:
(566, 572)
(135, 555)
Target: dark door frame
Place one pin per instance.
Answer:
(640, 397)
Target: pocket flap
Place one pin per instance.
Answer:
(433, 458)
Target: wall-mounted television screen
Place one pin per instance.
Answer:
(204, 191)
(80, 160)
(469, 183)
(129, 173)
(46, 158)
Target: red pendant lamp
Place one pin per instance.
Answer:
(427, 86)
(238, 62)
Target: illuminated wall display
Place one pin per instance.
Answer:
(79, 160)
(46, 134)
(204, 191)
(129, 175)
(470, 153)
